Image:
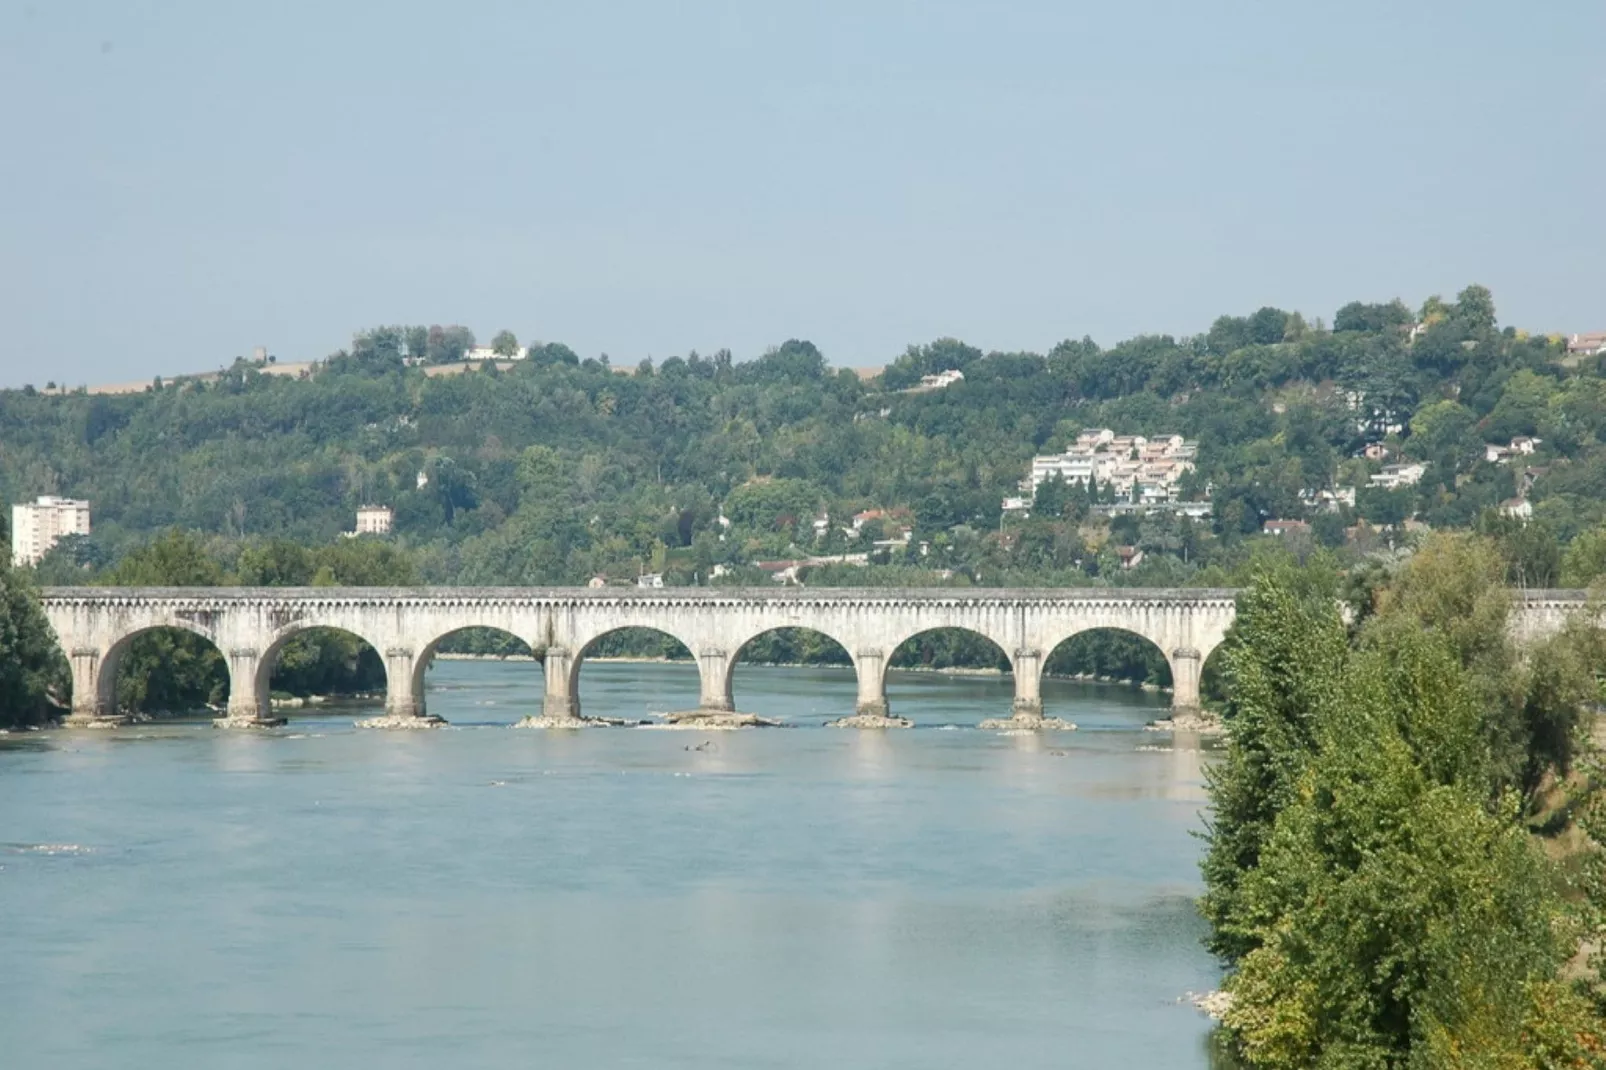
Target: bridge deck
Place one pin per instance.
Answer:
(707, 595)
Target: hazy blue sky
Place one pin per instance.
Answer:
(184, 180)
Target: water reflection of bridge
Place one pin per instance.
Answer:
(251, 625)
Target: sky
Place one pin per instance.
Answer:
(185, 180)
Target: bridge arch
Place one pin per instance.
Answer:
(789, 644)
(482, 638)
(253, 671)
(312, 649)
(943, 646)
(102, 687)
(636, 636)
(1112, 654)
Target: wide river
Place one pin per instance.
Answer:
(320, 896)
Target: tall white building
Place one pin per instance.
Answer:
(37, 526)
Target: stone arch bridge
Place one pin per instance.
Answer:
(95, 626)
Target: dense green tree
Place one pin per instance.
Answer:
(276, 563)
(772, 504)
(176, 558)
(1283, 662)
(442, 345)
(1374, 889)
(32, 671)
(505, 344)
(1584, 562)
(1357, 316)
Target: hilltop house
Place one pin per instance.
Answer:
(487, 353)
(1592, 344)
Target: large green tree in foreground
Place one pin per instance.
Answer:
(1370, 878)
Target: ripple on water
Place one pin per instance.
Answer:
(46, 849)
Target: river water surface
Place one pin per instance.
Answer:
(319, 896)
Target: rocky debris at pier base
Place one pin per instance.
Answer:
(249, 721)
(872, 720)
(98, 722)
(546, 720)
(1204, 722)
(1026, 724)
(401, 720)
(717, 719)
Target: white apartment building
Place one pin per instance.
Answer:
(1154, 466)
(37, 526)
(374, 519)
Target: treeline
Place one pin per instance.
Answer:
(1404, 862)
(562, 468)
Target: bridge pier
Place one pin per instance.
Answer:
(560, 701)
(1027, 708)
(871, 666)
(404, 692)
(714, 682)
(403, 695)
(1187, 667)
(249, 702)
(94, 690)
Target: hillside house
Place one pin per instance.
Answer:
(1394, 476)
